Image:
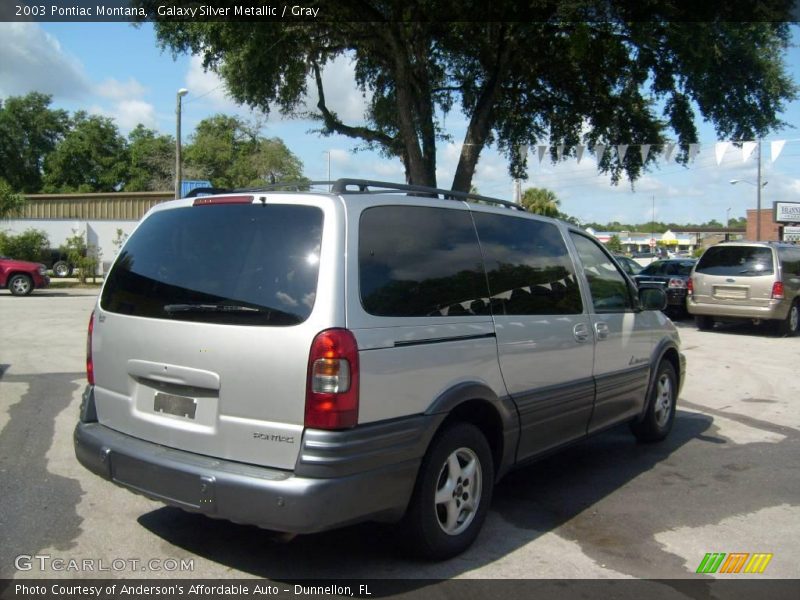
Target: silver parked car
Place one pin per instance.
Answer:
(755, 281)
(306, 360)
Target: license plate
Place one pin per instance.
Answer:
(734, 293)
(180, 406)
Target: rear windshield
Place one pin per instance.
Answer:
(246, 264)
(741, 261)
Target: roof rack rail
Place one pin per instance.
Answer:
(364, 186)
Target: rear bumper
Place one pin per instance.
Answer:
(270, 498)
(776, 309)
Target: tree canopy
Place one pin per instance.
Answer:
(230, 152)
(45, 150)
(29, 131)
(90, 158)
(541, 201)
(566, 72)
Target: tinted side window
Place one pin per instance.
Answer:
(528, 266)
(240, 264)
(741, 261)
(609, 288)
(416, 261)
(790, 261)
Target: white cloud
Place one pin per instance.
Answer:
(118, 90)
(129, 113)
(208, 87)
(33, 60)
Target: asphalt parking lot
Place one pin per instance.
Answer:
(727, 480)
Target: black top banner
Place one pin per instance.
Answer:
(401, 10)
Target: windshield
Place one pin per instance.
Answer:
(240, 264)
(741, 261)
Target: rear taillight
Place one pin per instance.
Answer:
(89, 361)
(332, 384)
(690, 287)
(777, 290)
(676, 282)
(209, 200)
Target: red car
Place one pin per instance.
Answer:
(22, 277)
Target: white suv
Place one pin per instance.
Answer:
(305, 360)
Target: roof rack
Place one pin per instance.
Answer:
(362, 186)
(366, 186)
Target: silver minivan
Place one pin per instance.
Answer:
(304, 360)
(754, 281)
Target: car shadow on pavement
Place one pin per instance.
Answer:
(563, 489)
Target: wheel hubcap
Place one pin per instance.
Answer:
(794, 317)
(663, 406)
(21, 286)
(458, 491)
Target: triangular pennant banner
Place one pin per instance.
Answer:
(668, 150)
(560, 151)
(775, 148)
(541, 150)
(644, 151)
(747, 149)
(719, 151)
(599, 150)
(694, 150)
(622, 150)
(522, 152)
(579, 152)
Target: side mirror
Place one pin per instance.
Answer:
(652, 298)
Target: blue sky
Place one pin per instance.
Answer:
(119, 71)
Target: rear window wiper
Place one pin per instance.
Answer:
(174, 308)
(266, 314)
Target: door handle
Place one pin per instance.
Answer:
(581, 333)
(601, 329)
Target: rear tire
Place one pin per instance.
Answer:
(20, 284)
(704, 322)
(452, 494)
(62, 269)
(791, 324)
(660, 414)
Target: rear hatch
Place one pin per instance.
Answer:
(735, 276)
(203, 329)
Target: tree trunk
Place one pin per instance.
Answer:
(480, 124)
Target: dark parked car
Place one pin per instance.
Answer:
(58, 262)
(21, 276)
(672, 276)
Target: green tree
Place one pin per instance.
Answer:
(92, 157)
(29, 131)
(31, 244)
(572, 72)
(614, 244)
(152, 161)
(230, 153)
(541, 201)
(10, 203)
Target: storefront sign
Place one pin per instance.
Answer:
(787, 212)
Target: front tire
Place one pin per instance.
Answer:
(20, 285)
(660, 414)
(452, 495)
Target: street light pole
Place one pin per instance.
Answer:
(178, 175)
(758, 196)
